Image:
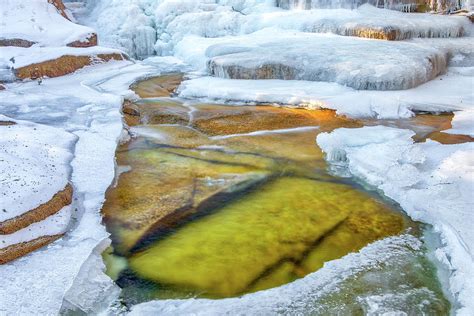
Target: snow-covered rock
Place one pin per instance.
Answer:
(432, 182)
(39, 22)
(35, 165)
(330, 58)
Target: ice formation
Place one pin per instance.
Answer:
(449, 92)
(144, 28)
(316, 57)
(432, 182)
(400, 5)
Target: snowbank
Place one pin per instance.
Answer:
(432, 182)
(39, 22)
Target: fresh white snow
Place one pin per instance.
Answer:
(40, 22)
(34, 165)
(54, 225)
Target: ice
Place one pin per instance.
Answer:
(316, 57)
(463, 123)
(400, 5)
(87, 104)
(449, 92)
(432, 182)
(145, 27)
(38, 21)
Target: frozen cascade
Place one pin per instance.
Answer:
(400, 5)
(155, 27)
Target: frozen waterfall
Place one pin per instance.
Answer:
(400, 5)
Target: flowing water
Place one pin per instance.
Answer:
(218, 200)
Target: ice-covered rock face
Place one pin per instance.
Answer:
(315, 57)
(400, 5)
(145, 27)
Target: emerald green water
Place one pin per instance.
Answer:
(206, 210)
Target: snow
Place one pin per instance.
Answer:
(40, 22)
(298, 297)
(53, 225)
(34, 165)
(32, 55)
(463, 123)
(86, 104)
(452, 91)
(432, 182)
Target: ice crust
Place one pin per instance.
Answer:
(432, 182)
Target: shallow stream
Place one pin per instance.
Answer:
(219, 200)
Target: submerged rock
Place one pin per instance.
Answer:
(161, 86)
(232, 251)
(166, 186)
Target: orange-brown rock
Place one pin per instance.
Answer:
(13, 252)
(18, 42)
(385, 33)
(59, 200)
(6, 123)
(162, 86)
(131, 113)
(224, 120)
(60, 7)
(63, 65)
(88, 42)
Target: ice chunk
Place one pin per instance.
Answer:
(463, 123)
